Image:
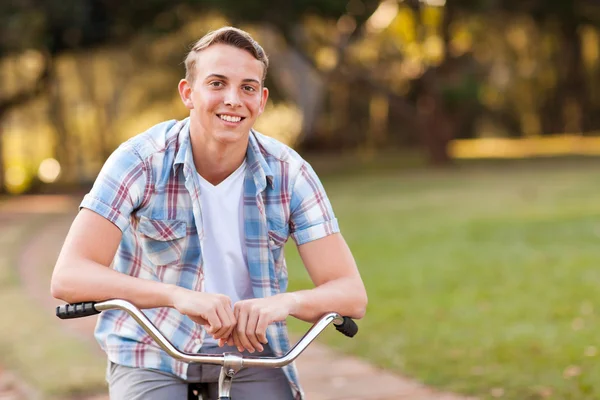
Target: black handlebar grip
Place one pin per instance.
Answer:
(78, 310)
(348, 327)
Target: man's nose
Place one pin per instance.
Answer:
(232, 98)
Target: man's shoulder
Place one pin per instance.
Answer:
(157, 139)
(276, 152)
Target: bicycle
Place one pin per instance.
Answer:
(231, 363)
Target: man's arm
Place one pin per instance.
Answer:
(82, 273)
(339, 288)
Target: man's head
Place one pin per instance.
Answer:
(230, 36)
(224, 85)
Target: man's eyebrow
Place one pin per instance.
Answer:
(223, 77)
(251, 81)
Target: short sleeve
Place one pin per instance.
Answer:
(119, 187)
(311, 215)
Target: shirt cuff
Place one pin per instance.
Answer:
(316, 232)
(103, 209)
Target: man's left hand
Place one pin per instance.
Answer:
(253, 316)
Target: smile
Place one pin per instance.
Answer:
(230, 118)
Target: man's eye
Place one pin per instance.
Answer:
(216, 84)
(249, 88)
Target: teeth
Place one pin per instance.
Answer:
(229, 118)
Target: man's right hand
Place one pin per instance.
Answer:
(213, 311)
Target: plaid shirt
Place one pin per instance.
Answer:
(149, 189)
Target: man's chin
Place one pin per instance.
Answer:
(232, 136)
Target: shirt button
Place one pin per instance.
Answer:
(198, 341)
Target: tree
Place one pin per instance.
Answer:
(436, 101)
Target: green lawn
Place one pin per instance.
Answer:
(481, 280)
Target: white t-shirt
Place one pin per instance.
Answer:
(223, 248)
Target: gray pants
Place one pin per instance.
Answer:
(127, 383)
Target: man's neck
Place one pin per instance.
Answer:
(215, 161)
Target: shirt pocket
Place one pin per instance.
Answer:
(277, 241)
(162, 240)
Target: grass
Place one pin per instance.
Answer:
(32, 343)
(482, 280)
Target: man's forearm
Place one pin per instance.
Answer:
(85, 280)
(346, 296)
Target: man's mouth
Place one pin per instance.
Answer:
(230, 118)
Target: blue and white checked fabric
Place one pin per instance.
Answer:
(149, 189)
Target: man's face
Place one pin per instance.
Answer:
(226, 96)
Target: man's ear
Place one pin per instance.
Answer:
(185, 92)
(263, 100)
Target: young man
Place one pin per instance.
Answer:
(193, 216)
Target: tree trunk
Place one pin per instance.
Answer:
(2, 169)
(57, 119)
(437, 125)
(569, 108)
(437, 128)
(575, 82)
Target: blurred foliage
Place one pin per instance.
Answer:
(79, 76)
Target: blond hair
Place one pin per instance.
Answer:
(226, 35)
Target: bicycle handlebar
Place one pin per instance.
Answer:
(344, 325)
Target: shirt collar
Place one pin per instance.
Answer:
(183, 155)
(255, 160)
(258, 165)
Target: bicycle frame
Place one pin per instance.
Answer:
(230, 363)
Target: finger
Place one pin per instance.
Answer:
(242, 322)
(199, 320)
(236, 341)
(227, 340)
(228, 318)
(236, 338)
(214, 322)
(225, 324)
(251, 329)
(261, 328)
(231, 319)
